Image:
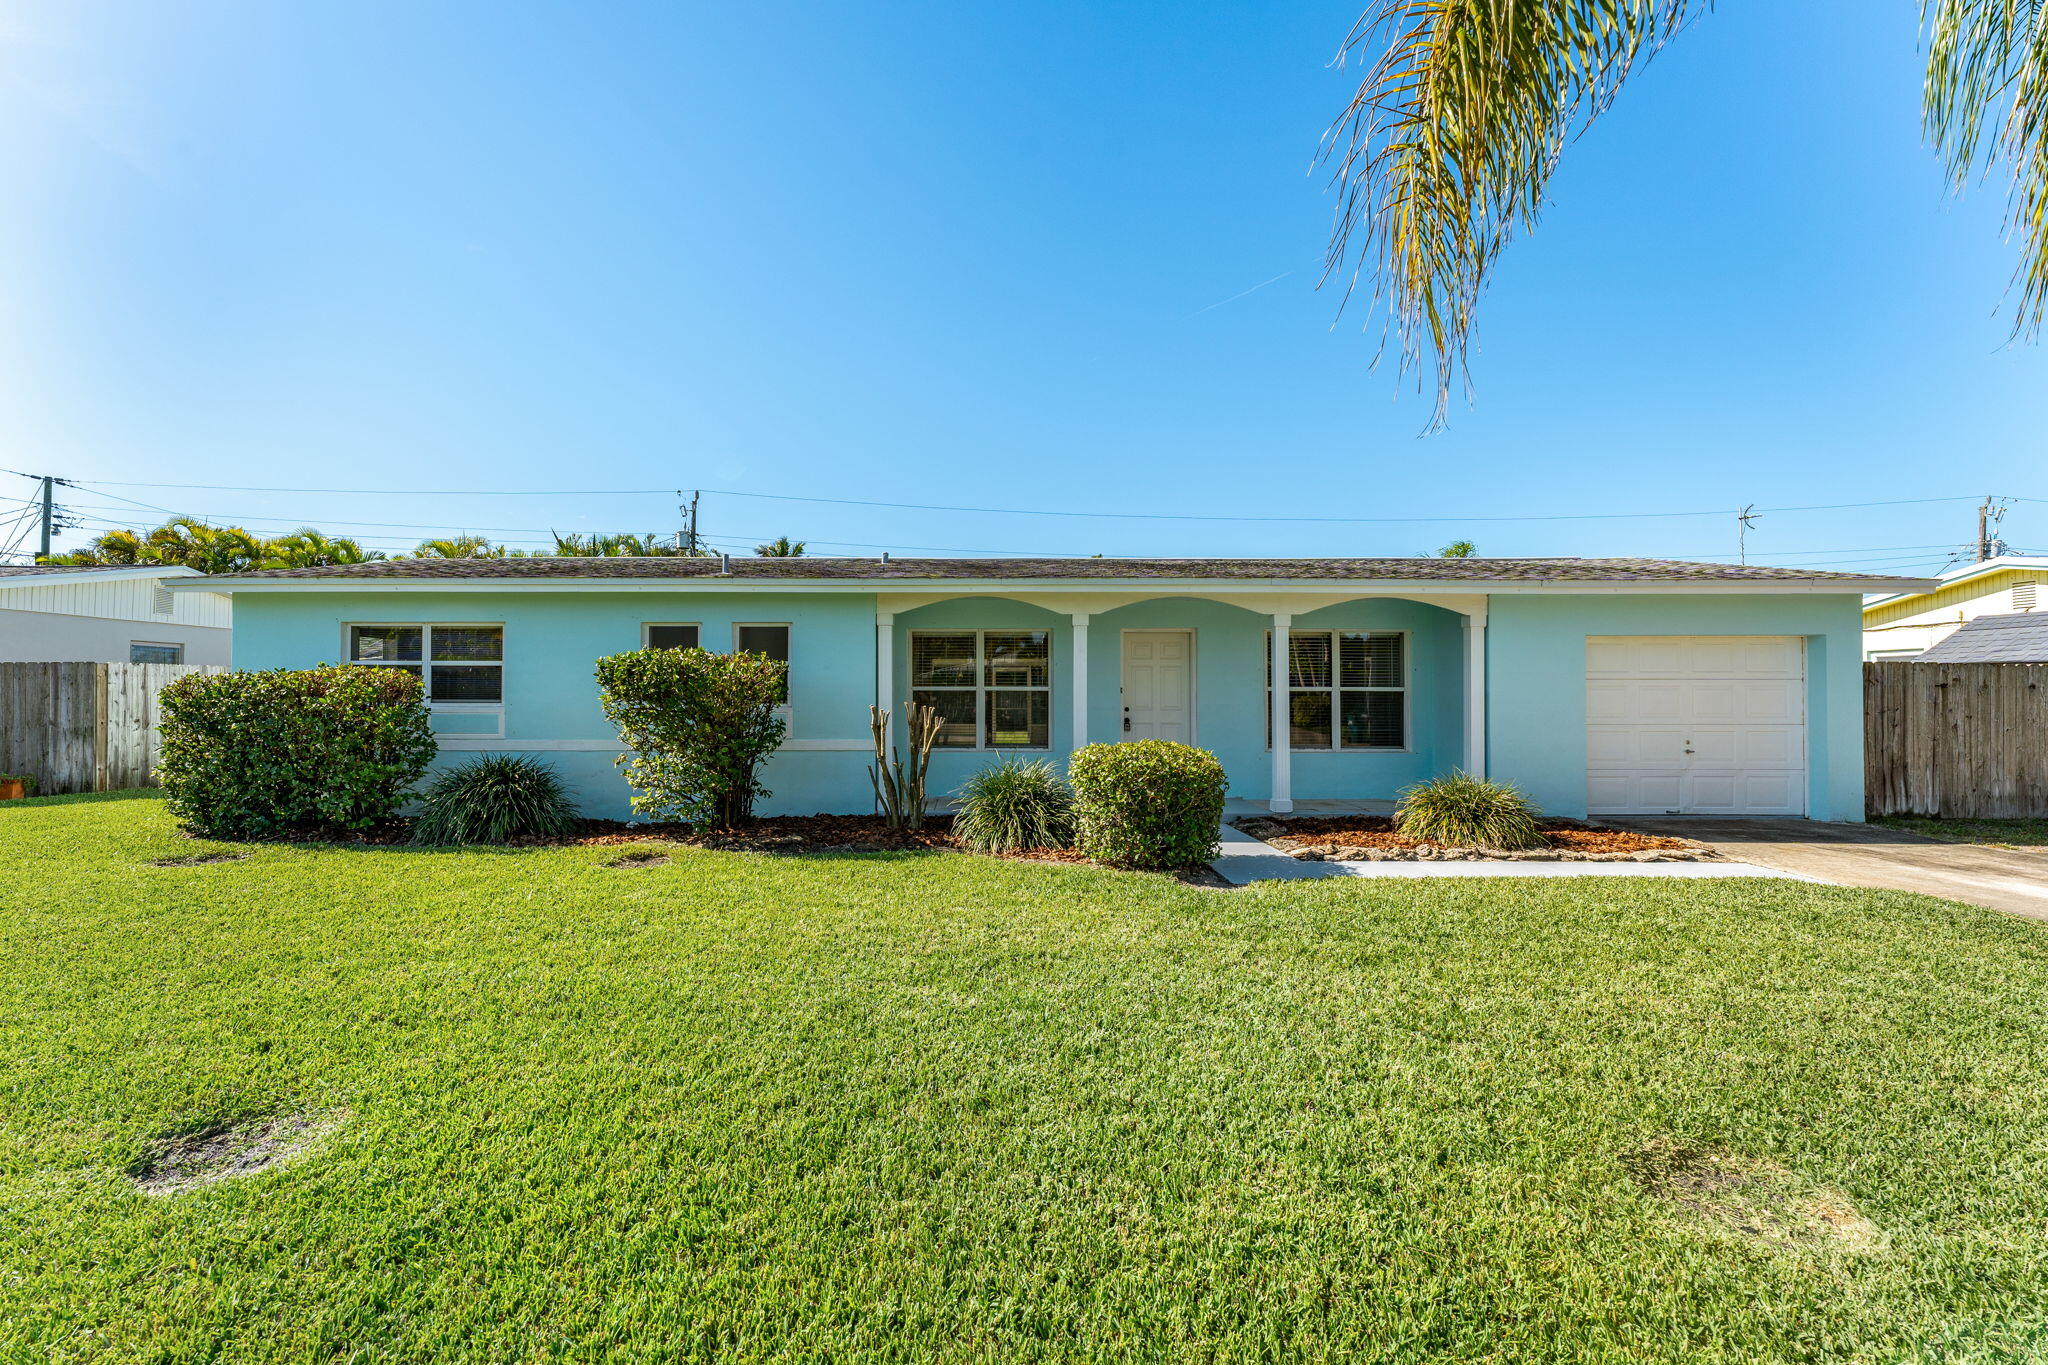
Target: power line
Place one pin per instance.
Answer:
(1009, 511)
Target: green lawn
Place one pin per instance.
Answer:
(935, 1107)
(1997, 833)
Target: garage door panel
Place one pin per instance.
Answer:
(1607, 701)
(1775, 657)
(1607, 656)
(1773, 793)
(1702, 724)
(1778, 700)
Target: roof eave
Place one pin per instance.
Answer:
(721, 583)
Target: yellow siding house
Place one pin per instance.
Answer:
(1902, 625)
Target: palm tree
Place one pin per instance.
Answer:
(782, 547)
(181, 540)
(111, 548)
(308, 548)
(457, 547)
(1447, 148)
(649, 546)
(1457, 549)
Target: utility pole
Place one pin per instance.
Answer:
(695, 493)
(1989, 513)
(49, 514)
(1744, 520)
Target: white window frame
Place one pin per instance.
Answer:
(981, 687)
(647, 631)
(178, 645)
(426, 662)
(1337, 690)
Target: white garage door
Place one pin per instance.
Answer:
(1696, 724)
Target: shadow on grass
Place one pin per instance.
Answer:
(83, 798)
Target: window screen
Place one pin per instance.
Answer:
(671, 637)
(770, 640)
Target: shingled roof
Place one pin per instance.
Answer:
(2016, 638)
(762, 568)
(21, 570)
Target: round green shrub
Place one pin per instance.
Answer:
(1149, 803)
(1015, 804)
(1463, 811)
(493, 799)
(334, 747)
(698, 726)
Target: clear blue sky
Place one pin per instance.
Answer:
(989, 255)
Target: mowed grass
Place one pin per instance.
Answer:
(938, 1107)
(2017, 833)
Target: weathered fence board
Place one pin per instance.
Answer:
(83, 727)
(1963, 741)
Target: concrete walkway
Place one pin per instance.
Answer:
(1870, 855)
(1245, 860)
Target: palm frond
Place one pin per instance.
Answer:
(1986, 104)
(1447, 147)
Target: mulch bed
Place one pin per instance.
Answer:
(1373, 838)
(804, 834)
(784, 834)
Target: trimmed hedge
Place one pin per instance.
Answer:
(334, 747)
(699, 725)
(1149, 804)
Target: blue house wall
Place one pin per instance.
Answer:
(1536, 666)
(552, 643)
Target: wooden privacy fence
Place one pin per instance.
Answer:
(1963, 741)
(83, 727)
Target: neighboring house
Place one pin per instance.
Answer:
(2018, 638)
(1602, 685)
(52, 613)
(1904, 625)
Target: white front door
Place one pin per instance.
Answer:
(1696, 725)
(1159, 685)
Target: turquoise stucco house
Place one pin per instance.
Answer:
(1599, 686)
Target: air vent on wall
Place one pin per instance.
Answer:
(2023, 595)
(160, 600)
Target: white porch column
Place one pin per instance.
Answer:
(1282, 798)
(1080, 689)
(1475, 692)
(885, 666)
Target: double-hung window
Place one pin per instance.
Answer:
(455, 663)
(1346, 689)
(769, 639)
(991, 688)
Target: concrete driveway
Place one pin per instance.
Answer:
(1870, 855)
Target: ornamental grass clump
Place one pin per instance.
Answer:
(1463, 811)
(1147, 804)
(1015, 804)
(492, 800)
